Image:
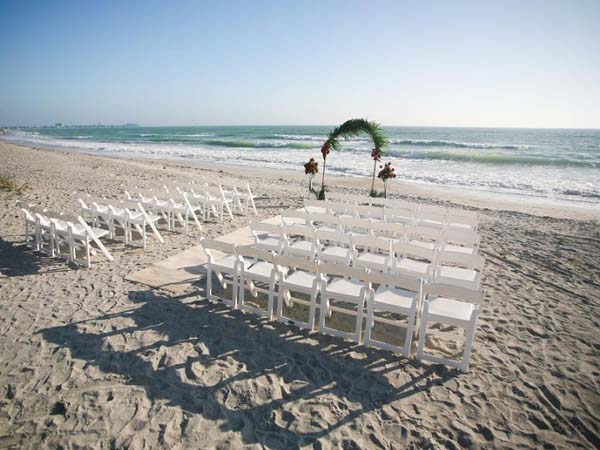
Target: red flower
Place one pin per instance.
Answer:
(311, 167)
(376, 154)
(387, 172)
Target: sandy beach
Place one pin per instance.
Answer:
(89, 360)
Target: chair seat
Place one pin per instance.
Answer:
(459, 249)
(263, 270)
(372, 259)
(450, 308)
(431, 223)
(461, 226)
(301, 279)
(393, 299)
(327, 228)
(346, 287)
(102, 209)
(423, 244)
(228, 262)
(419, 268)
(302, 248)
(336, 252)
(268, 242)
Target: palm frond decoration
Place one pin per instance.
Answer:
(349, 129)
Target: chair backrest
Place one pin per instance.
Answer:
(326, 219)
(453, 292)
(293, 214)
(297, 263)
(372, 243)
(250, 251)
(389, 230)
(213, 244)
(297, 230)
(262, 227)
(424, 233)
(352, 224)
(396, 280)
(415, 251)
(460, 259)
(371, 212)
(398, 214)
(333, 236)
(342, 270)
(340, 208)
(341, 197)
(463, 217)
(462, 237)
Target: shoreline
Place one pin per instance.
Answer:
(461, 197)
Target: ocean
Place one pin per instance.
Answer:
(549, 164)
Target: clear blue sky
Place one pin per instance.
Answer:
(481, 63)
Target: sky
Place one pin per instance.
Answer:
(431, 63)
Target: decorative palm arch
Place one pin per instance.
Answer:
(348, 129)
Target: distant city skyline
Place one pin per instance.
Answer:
(509, 64)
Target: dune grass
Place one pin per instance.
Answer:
(8, 183)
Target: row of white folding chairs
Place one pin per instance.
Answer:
(411, 258)
(239, 192)
(235, 195)
(175, 208)
(398, 211)
(466, 241)
(338, 287)
(128, 216)
(208, 200)
(61, 235)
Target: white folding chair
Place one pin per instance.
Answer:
(341, 209)
(293, 217)
(315, 206)
(44, 232)
(413, 261)
(368, 212)
(462, 241)
(137, 218)
(431, 216)
(345, 293)
(371, 253)
(399, 214)
(300, 276)
(460, 219)
(30, 224)
(216, 202)
(333, 247)
(268, 236)
(395, 294)
(356, 227)
(459, 269)
(426, 237)
(325, 222)
(299, 241)
(449, 305)
(263, 270)
(242, 195)
(222, 260)
(394, 232)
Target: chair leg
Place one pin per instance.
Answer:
(369, 323)
(208, 282)
(422, 331)
(409, 331)
(312, 309)
(470, 333)
(359, 319)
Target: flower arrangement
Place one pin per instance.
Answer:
(386, 172)
(311, 168)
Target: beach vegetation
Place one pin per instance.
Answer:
(8, 183)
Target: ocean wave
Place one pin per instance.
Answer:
(493, 158)
(442, 143)
(257, 144)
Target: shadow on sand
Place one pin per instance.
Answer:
(320, 367)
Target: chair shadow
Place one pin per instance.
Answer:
(20, 260)
(323, 366)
